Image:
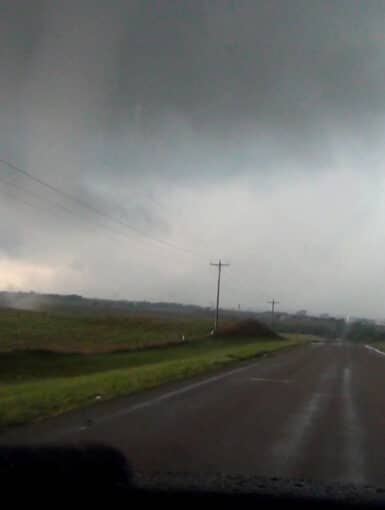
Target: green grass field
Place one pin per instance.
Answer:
(51, 363)
(62, 332)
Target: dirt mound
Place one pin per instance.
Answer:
(250, 328)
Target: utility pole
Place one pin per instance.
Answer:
(219, 265)
(273, 303)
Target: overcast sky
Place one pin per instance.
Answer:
(248, 130)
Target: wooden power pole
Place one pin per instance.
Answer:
(219, 265)
(273, 303)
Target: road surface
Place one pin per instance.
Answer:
(316, 412)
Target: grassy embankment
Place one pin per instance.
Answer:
(51, 363)
(379, 345)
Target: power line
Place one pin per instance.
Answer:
(90, 207)
(35, 195)
(42, 208)
(57, 207)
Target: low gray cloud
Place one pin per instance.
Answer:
(251, 130)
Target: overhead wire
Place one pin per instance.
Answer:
(43, 208)
(35, 195)
(93, 209)
(55, 208)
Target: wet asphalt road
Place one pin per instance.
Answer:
(316, 412)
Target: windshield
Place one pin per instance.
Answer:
(191, 233)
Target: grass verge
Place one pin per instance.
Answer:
(379, 345)
(50, 384)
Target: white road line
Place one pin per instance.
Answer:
(177, 392)
(261, 379)
(157, 400)
(293, 442)
(354, 455)
(371, 348)
(290, 446)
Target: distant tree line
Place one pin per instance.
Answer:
(363, 331)
(76, 303)
(326, 328)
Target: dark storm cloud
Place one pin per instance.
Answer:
(21, 26)
(267, 62)
(215, 60)
(195, 121)
(194, 80)
(198, 69)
